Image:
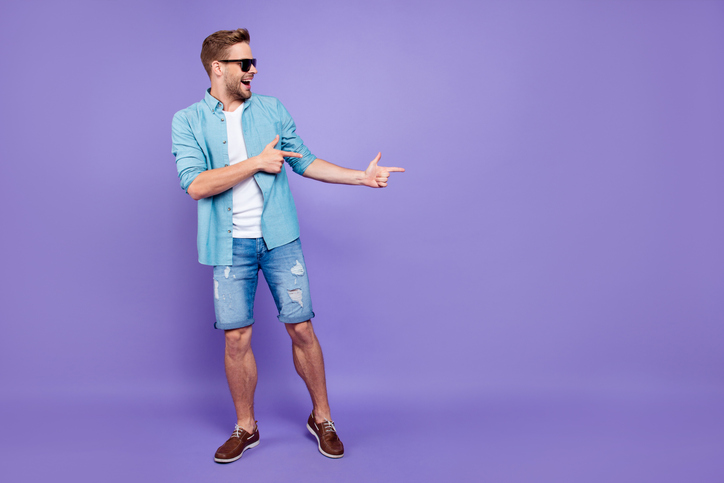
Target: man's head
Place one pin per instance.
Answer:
(218, 52)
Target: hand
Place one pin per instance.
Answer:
(271, 160)
(376, 176)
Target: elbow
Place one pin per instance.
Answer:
(194, 193)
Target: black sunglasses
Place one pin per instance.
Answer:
(244, 63)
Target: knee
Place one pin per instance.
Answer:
(238, 341)
(302, 333)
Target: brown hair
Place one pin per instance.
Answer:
(216, 45)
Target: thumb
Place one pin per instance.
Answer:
(274, 142)
(376, 160)
(373, 164)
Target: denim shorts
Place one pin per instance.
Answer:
(284, 271)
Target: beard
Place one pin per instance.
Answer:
(233, 89)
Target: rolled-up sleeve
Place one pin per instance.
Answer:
(190, 159)
(291, 141)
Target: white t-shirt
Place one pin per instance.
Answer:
(248, 200)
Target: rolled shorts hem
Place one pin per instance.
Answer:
(234, 325)
(296, 320)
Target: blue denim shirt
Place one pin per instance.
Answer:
(199, 143)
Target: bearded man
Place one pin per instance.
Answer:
(230, 150)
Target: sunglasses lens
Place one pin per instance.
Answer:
(247, 63)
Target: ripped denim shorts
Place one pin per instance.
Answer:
(284, 271)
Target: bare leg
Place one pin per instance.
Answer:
(309, 363)
(241, 375)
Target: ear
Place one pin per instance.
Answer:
(216, 69)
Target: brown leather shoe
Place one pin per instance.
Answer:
(327, 440)
(235, 446)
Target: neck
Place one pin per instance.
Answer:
(229, 103)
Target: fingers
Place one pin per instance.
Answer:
(382, 172)
(288, 154)
(273, 143)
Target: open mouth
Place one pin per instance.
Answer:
(246, 82)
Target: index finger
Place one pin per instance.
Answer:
(288, 154)
(398, 170)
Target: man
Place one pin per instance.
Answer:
(230, 150)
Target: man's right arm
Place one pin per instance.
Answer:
(214, 181)
(200, 182)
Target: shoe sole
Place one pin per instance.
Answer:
(252, 445)
(319, 446)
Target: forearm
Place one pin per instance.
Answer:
(215, 181)
(322, 170)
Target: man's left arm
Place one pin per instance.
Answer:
(374, 176)
(312, 167)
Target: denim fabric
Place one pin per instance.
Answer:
(199, 140)
(285, 272)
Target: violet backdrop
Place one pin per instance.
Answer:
(538, 298)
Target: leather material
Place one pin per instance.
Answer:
(329, 442)
(236, 444)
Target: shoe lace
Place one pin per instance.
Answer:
(329, 425)
(237, 431)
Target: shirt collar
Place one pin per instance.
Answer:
(212, 102)
(215, 104)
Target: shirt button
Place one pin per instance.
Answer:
(228, 209)
(229, 231)
(225, 165)
(222, 119)
(224, 142)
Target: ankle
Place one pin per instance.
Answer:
(248, 425)
(320, 415)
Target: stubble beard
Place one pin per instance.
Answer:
(233, 89)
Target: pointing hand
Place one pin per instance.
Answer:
(376, 176)
(271, 159)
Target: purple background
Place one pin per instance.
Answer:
(538, 298)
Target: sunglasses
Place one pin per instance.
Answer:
(244, 63)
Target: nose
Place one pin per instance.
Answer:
(252, 70)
